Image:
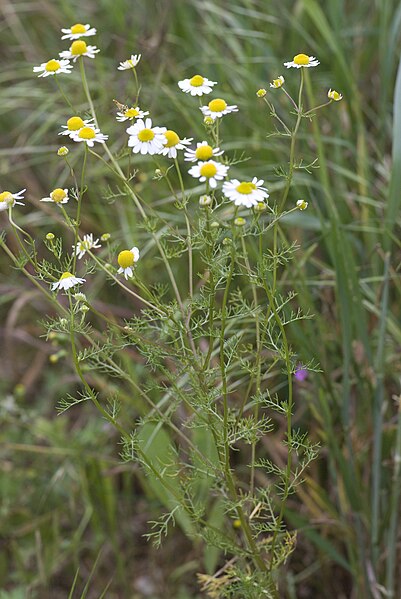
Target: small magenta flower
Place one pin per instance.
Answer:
(300, 373)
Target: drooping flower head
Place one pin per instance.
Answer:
(276, 83)
(87, 243)
(245, 193)
(130, 63)
(218, 108)
(78, 30)
(66, 281)
(203, 152)
(53, 67)
(302, 60)
(197, 85)
(127, 260)
(333, 95)
(146, 139)
(79, 48)
(210, 172)
(8, 199)
(57, 196)
(173, 144)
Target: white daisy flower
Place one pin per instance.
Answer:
(8, 199)
(333, 95)
(89, 135)
(79, 48)
(245, 193)
(87, 243)
(276, 83)
(302, 60)
(66, 281)
(126, 260)
(58, 196)
(209, 171)
(53, 67)
(302, 204)
(130, 63)
(197, 85)
(74, 124)
(78, 30)
(217, 108)
(203, 152)
(131, 113)
(173, 144)
(146, 139)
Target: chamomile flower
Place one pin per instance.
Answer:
(276, 83)
(131, 113)
(53, 67)
(58, 196)
(173, 144)
(218, 108)
(197, 85)
(78, 30)
(126, 260)
(130, 63)
(74, 124)
(202, 152)
(209, 171)
(87, 243)
(66, 281)
(89, 135)
(8, 199)
(302, 204)
(79, 48)
(302, 60)
(245, 193)
(145, 139)
(333, 95)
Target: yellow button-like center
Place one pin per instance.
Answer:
(86, 133)
(277, 82)
(125, 259)
(78, 28)
(78, 47)
(131, 113)
(245, 187)
(58, 195)
(301, 59)
(196, 81)
(146, 135)
(172, 139)
(52, 65)
(6, 196)
(217, 105)
(203, 152)
(66, 275)
(208, 170)
(75, 123)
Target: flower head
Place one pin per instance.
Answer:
(79, 48)
(74, 124)
(53, 67)
(126, 260)
(173, 144)
(62, 151)
(261, 93)
(276, 83)
(8, 199)
(89, 134)
(302, 60)
(218, 108)
(245, 193)
(205, 200)
(87, 243)
(300, 373)
(302, 204)
(333, 95)
(209, 171)
(131, 113)
(78, 30)
(58, 196)
(145, 139)
(66, 281)
(203, 152)
(130, 63)
(197, 85)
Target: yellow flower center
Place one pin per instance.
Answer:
(87, 133)
(78, 48)
(58, 195)
(131, 113)
(75, 123)
(52, 66)
(146, 135)
(6, 196)
(208, 170)
(172, 139)
(196, 81)
(84, 245)
(66, 275)
(78, 28)
(125, 259)
(217, 105)
(277, 82)
(301, 59)
(245, 188)
(204, 152)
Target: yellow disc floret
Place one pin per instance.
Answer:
(204, 152)
(245, 187)
(75, 123)
(58, 195)
(131, 113)
(52, 66)
(125, 259)
(6, 196)
(86, 133)
(146, 135)
(196, 81)
(172, 139)
(78, 48)
(78, 28)
(208, 170)
(66, 275)
(217, 105)
(301, 59)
